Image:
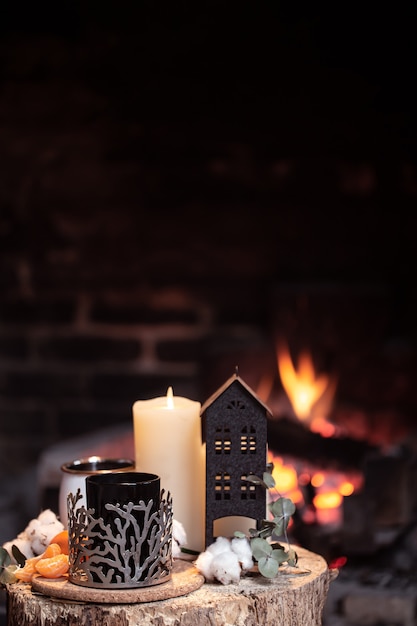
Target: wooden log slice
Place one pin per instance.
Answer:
(296, 597)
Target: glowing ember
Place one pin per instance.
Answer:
(318, 479)
(327, 500)
(338, 562)
(323, 427)
(328, 507)
(324, 490)
(286, 480)
(346, 488)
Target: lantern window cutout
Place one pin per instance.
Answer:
(247, 490)
(222, 487)
(234, 429)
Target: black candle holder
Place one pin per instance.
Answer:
(120, 553)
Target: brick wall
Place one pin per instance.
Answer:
(145, 225)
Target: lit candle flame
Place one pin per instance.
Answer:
(170, 398)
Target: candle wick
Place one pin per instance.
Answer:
(170, 398)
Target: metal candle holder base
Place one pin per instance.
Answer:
(124, 554)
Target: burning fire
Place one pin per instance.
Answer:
(311, 395)
(317, 494)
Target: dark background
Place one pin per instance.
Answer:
(315, 79)
(181, 183)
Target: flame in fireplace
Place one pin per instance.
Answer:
(311, 395)
(286, 479)
(317, 494)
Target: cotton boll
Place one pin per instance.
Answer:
(176, 550)
(42, 529)
(222, 544)
(23, 543)
(203, 563)
(37, 535)
(178, 533)
(33, 531)
(47, 517)
(241, 547)
(179, 538)
(219, 562)
(225, 567)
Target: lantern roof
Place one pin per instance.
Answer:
(226, 385)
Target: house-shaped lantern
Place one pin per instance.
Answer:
(234, 428)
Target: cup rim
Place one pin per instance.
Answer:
(129, 478)
(80, 466)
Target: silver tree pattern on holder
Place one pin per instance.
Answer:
(125, 553)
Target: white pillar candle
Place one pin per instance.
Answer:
(167, 434)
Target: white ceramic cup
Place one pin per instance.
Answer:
(75, 472)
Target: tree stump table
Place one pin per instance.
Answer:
(296, 597)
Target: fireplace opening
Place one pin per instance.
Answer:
(348, 460)
(354, 490)
(337, 371)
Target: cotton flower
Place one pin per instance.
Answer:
(225, 567)
(220, 562)
(42, 529)
(241, 547)
(179, 538)
(37, 535)
(221, 544)
(203, 564)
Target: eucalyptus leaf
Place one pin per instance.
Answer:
(239, 534)
(262, 532)
(280, 556)
(255, 480)
(268, 480)
(7, 575)
(282, 507)
(270, 556)
(292, 557)
(280, 526)
(267, 530)
(252, 478)
(260, 548)
(268, 567)
(4, 557)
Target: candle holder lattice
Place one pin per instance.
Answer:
(124, 554)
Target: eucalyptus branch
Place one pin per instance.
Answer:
(270, 556)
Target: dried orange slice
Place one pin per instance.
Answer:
(52, 550)
(62, 540)
(53, 567)
(25, 574)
